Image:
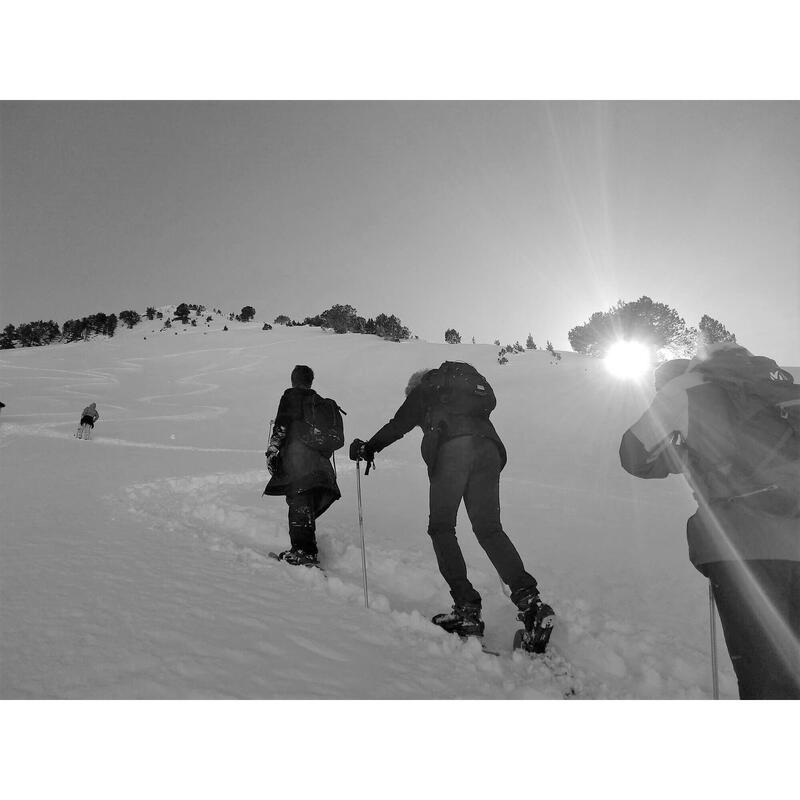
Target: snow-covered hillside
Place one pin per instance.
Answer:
(134, 565)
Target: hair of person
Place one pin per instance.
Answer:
(705, 351)
(302, 376)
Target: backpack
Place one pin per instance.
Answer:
(321, 426)
(764, 420)
(458, 388)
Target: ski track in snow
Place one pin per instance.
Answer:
(96, 379)
(223, 523)
(216, 509)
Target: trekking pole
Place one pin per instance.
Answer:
(713, 629)
(361, 526)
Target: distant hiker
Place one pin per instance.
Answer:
(307, 430)
(464, 456)
(88, 417)
(730, 423)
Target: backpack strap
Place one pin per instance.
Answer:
(776, 448)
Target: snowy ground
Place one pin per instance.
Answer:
(134, 565)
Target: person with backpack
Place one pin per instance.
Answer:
(464, 456)
(307, 430)
(89, 416)
(730, 423)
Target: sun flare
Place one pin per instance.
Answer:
(628, 360)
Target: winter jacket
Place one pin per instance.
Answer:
(437, 427)
(301, 468)
(688, 430)
(91, 411)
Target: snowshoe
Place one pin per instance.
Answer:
(297, 558)
(463, 620)
(538, 619)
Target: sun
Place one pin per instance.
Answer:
(627, 359)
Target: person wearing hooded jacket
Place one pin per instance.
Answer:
(89, 416)
(464, 456)
(298, 472)
(744, 536)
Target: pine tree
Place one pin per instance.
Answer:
(713, 331)
(129, 318)
(8, 337)
(653, 324)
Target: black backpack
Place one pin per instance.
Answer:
(458, 388)
(764, 416)
(321, 426)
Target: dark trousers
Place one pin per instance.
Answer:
(759, 605)
(302, 521)
(468, 468)
(87, 420)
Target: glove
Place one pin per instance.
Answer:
(273, 455)
(361, 451)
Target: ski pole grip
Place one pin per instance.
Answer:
(355, 450)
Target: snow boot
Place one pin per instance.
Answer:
(538, 619)
(463, 620)
(299, 558)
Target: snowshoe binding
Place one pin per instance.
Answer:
(463, 620)
(538, 619)
(297, 558)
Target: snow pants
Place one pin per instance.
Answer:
(759, 606)
(468, 468)
(303, 521)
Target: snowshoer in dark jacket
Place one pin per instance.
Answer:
(300, 473)
(89, 416)
(464, 456)
(745, 536)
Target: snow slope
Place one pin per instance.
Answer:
(134, 565)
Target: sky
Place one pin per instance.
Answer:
(498, 219)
